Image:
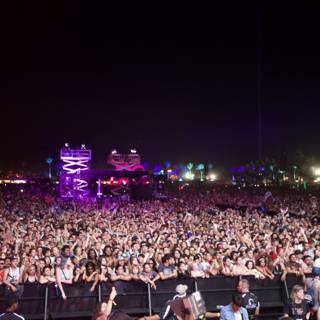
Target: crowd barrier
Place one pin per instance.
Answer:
(135, 297)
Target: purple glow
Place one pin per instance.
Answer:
(75, 161)
(242, 169)
(127, 162)
(157, 168)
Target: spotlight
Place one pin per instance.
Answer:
(212, 177)
(189, 175)
(114, 151)
(83, 146)
(67, 145)
(133, 151)
(316, 171)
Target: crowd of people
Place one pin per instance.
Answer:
(194, 233)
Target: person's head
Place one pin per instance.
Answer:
(292, 258)
(135, 270)
(119, 270)
(147, 267)
(47, 260)
(1, 264)
(144, 248)
(32, 270)
(68, 264)
(182, 267)
(226, 260)
(14, 262)
(166, 259)
(152, 263)
(234, 255)
(243, 286)
(76, 270)
(77, 251)
(249, 253)
(141, 258)
(261, 262)
(90, 267)
(250, 264)
(133, 260)
(236, 302)
(297, 293)
(308, 260)
(92, 255)
(177, 254)
(41, 264)
(239, 261)
(181, 290)
(65, 251)
(97, 245)
(107, 251)
(47, 271)
(57, 261)
(12, 304)
(55, 251)
(46, 252)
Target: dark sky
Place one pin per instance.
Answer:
(178, 82)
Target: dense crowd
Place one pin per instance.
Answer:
(204, 233)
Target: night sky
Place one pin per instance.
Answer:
(177, 82)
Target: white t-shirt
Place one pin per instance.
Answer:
(317, 263)
(237, 315)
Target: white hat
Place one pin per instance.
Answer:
(181, 289)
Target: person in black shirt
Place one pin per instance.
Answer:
(11, 308)
(297, 307)
(250, 300)
(183, 270)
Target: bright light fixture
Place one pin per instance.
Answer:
(189, 175)
(316, 171)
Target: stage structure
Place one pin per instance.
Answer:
(125, 178)
(75, 161)
(124, 162)
(128, 162)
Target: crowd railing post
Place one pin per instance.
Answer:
(195, 285)
(149, 299)
(99, 293)
(46, 298)
(286, 288)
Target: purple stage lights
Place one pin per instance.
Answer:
(74, 162)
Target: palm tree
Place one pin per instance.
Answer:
(49, 161)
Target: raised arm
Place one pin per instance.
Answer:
(110, 301)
